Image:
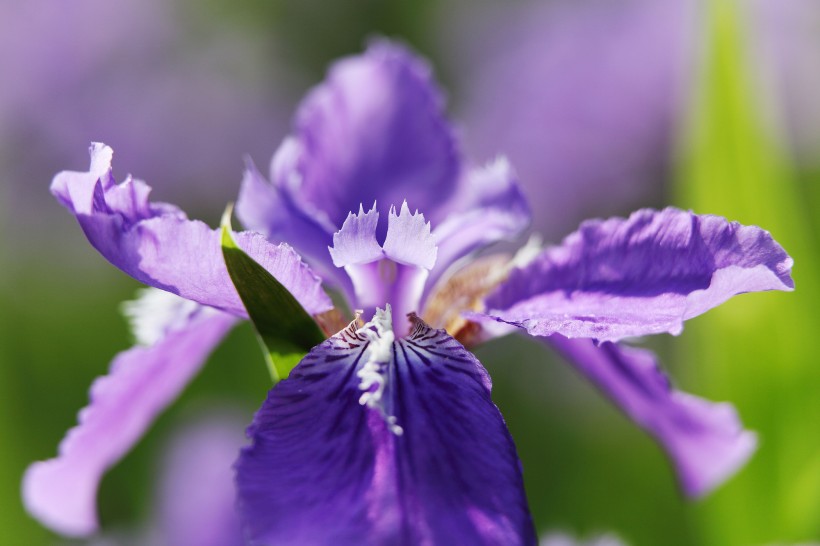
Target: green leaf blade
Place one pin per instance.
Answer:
(285, 329)
(756, 351)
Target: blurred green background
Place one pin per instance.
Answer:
(603, 107)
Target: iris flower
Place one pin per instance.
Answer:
(386, 433)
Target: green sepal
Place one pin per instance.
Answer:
(286, 331)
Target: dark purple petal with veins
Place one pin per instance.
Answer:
(419, 455)
(61, 492)
(156, 244)
(375, 130)
(642, 275)
(705, 441)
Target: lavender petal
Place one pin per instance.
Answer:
(61, 492)
(375, 131)
(642, 275)
(156, 244)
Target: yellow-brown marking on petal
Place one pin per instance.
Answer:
(465, 290)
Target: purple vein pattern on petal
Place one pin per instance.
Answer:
(324, 469)
(61, 492)
(642, 275)
(375, 131)
(156, 244)
(704, 440)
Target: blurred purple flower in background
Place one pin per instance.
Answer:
(784, 40)
(144, 75)
(583, 96)
(589, 98)
(194, 491)
(195, 504)
(387, 431)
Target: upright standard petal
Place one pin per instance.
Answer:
(705, 441)
(642, 275)
(61, 492)
(376, 441)
(263, 207)
(375, 131)
(492, 209)
(156, 244)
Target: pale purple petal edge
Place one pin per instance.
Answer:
(61, 492)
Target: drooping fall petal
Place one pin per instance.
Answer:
(380, 441)
(704, 440)
(61, 492)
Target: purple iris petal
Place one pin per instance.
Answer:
(266, 209)
(61, 492)
(705, 441)
(492, 209)
(156, 244)
(642, 275)
(375, 131)
(411, 451)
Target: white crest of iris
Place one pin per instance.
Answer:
(374, 373)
